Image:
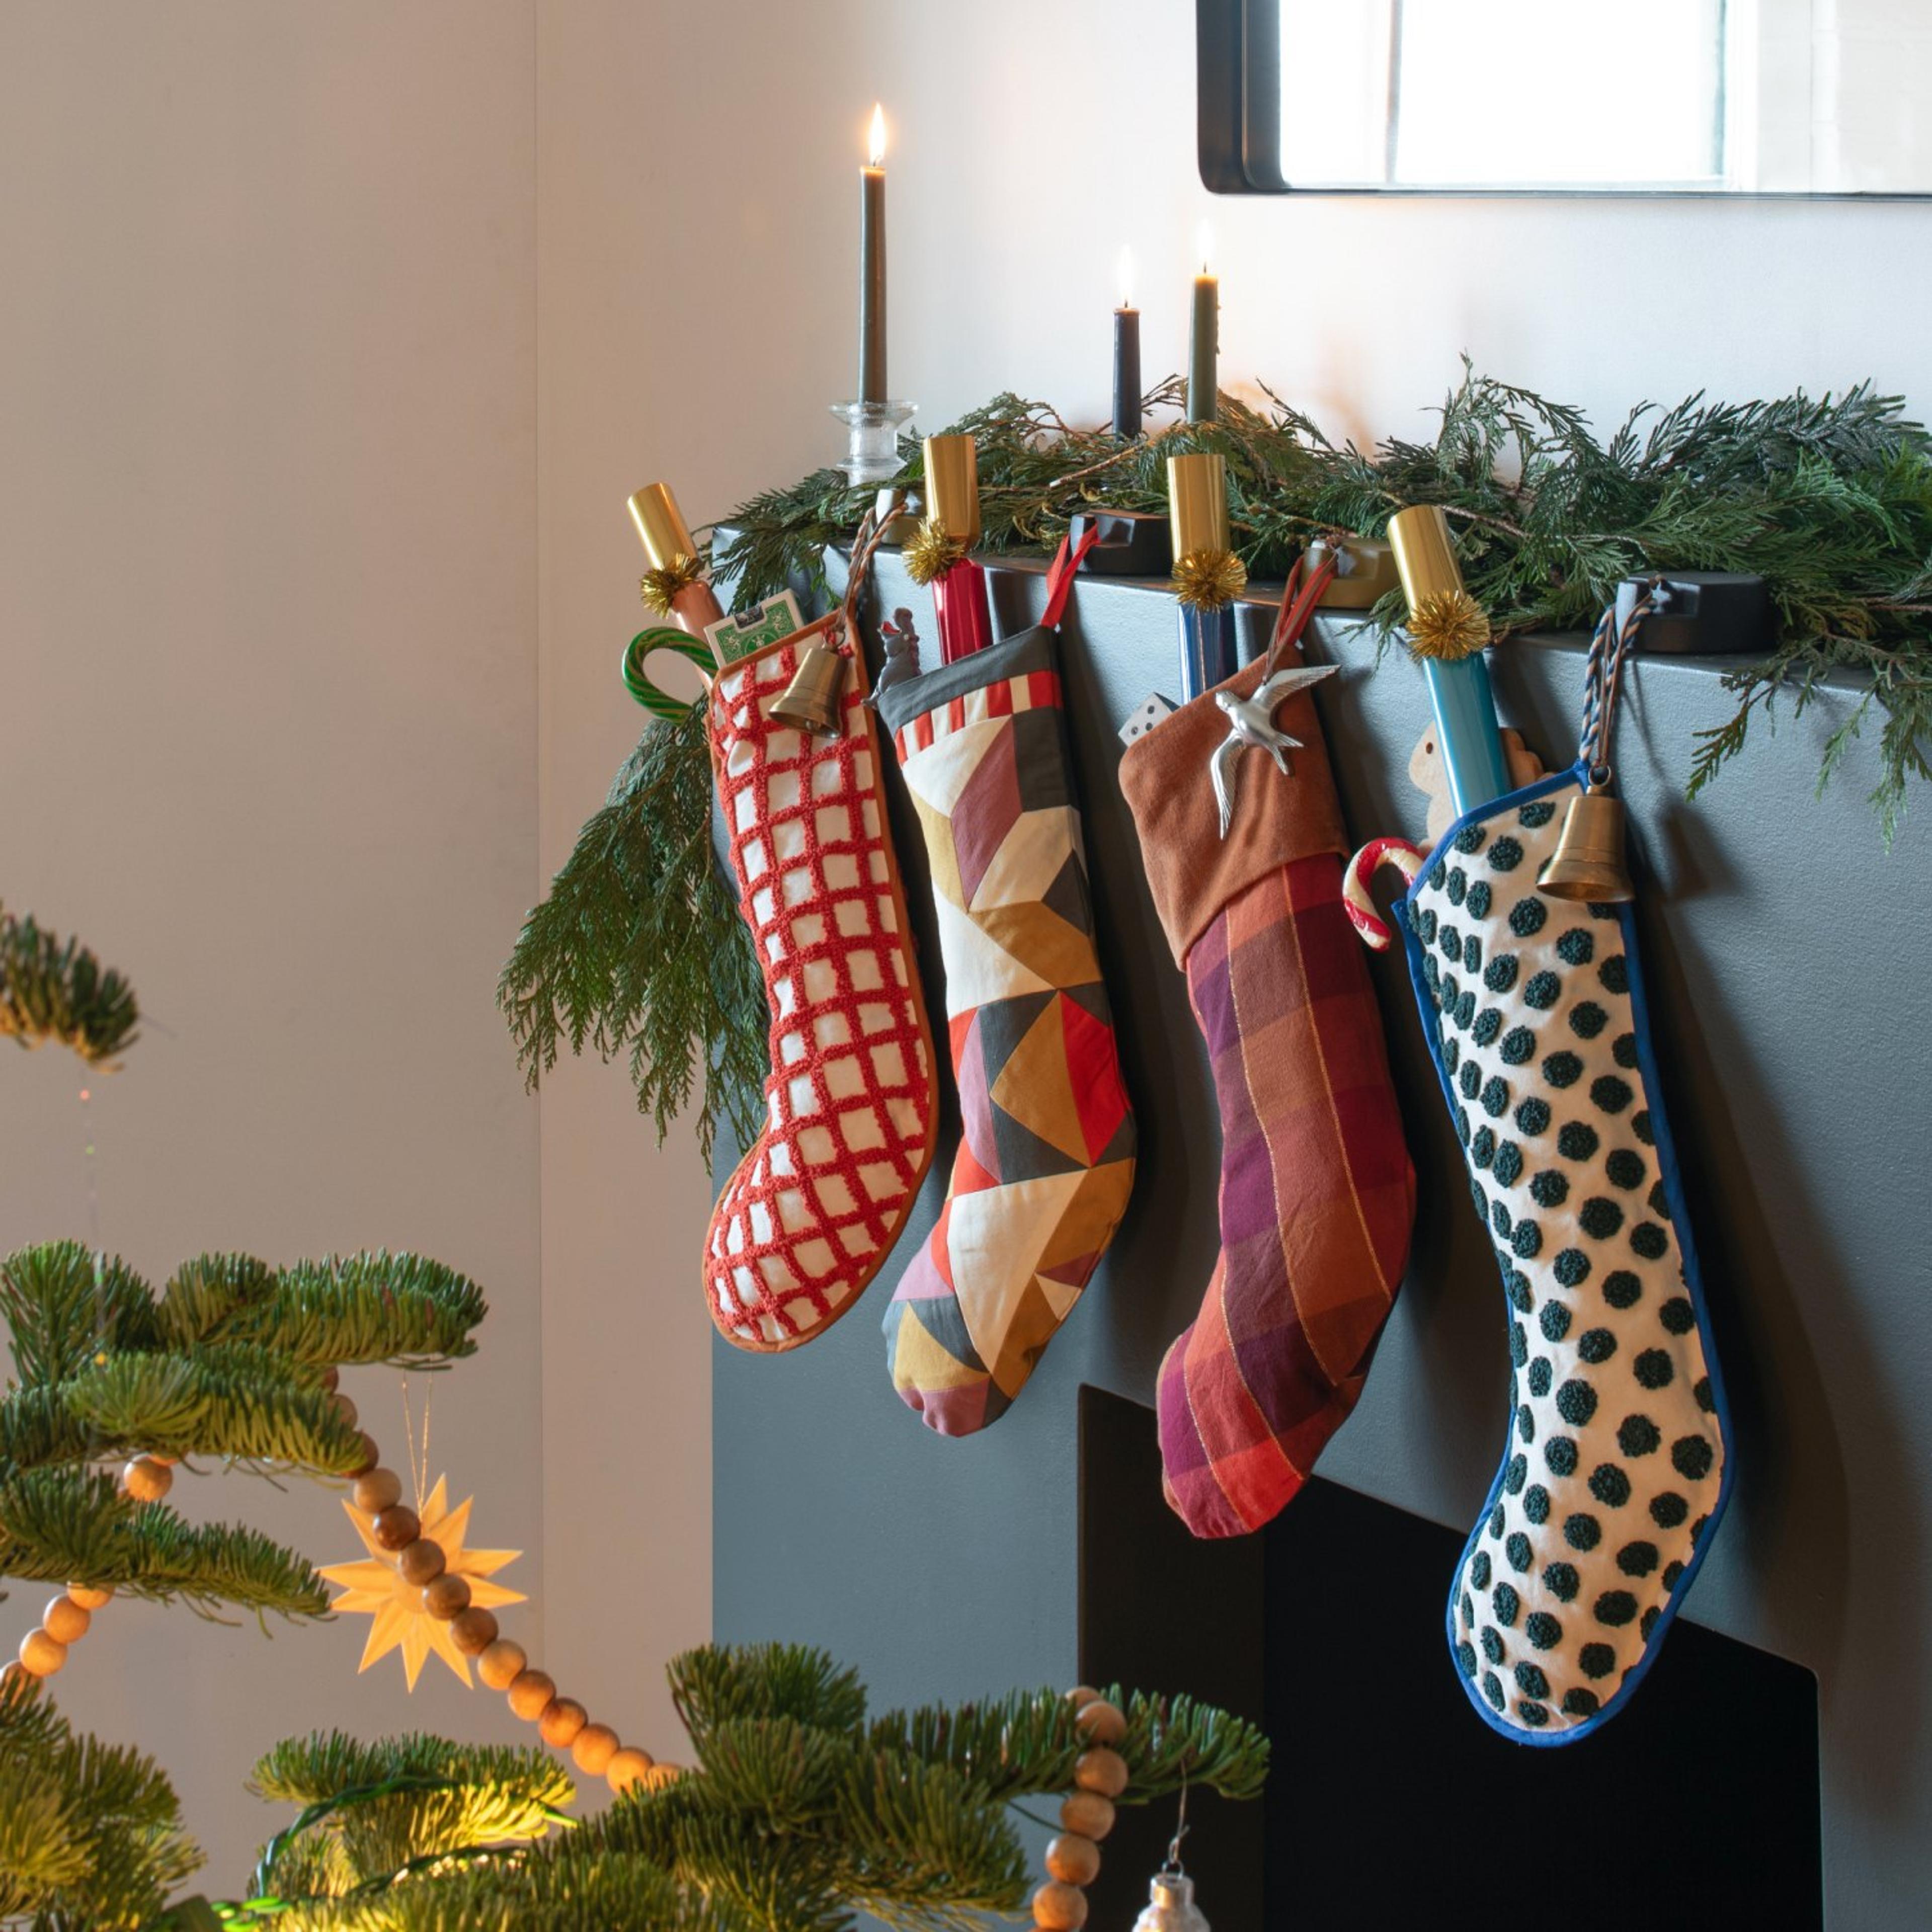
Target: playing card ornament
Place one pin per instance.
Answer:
(1615, 1468)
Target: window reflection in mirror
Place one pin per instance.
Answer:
(1819, 96)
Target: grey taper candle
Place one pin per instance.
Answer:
(872, 269)
(1127, 372)
(1205, 343)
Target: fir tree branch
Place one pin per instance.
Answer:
(52, 991)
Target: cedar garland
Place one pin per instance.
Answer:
(1829, 499)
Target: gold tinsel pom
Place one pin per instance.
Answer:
(659, 587)
(1449, 624)
(932, 552)
(1205, 580)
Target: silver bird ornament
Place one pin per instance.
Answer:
(1251, 723)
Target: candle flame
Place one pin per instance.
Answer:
(1207, 240)
(1126, 273)
(878, 135)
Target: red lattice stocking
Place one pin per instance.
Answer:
(814, 1207)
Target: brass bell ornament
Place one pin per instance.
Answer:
(1588, 864)
(811, 700)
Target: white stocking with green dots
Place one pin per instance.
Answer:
(1614, 1472)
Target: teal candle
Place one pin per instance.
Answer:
(1465, 728)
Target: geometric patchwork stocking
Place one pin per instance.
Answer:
(1615, 1470)
(1317, 1195)
(1045, 1160)
(813, 1209)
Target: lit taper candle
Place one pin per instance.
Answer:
(1204, 346)
(1126, 356)
(937, 555)
(1447, 630)
(872, 266)
(1208, 575)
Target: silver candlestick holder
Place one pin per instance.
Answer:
(873, 453)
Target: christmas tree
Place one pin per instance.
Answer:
(234, 1361)
(801, 1809)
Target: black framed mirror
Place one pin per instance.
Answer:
(1777, 98)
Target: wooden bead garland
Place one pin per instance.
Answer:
(562, 1723)
(65, 1621)
(421, 1562)
(1087, 1814)
(147, 1479)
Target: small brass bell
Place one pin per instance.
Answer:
(1588, 864)
(811, 701)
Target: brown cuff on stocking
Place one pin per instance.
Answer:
(1191, 870)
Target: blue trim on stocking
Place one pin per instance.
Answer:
(1665, 1149)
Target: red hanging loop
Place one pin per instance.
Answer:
(1060, 577)
(1298, 600)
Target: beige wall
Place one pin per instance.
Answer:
(267, 676)
(334, 336)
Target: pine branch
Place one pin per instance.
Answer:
(61, 993)
(64, 1306)
(405, 1309)
(370, 1810)
(237, 1402)
(90, 1836)
(638, 948)
(64, 1524)
(714, 1685)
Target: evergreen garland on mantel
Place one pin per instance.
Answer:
(638, 950)
(1830, 500)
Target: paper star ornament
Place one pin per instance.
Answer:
(375, 1588)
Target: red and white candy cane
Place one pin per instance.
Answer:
(1408, 859)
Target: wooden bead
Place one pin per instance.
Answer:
(368, 1455)
(376, 1489)
(1102, 1771)
(1060, 1908)
(473, 1630)
(90, 1596)
(396, 1527)
(1082, 1695)
(502, 1663)
(1087, 1813)
(1101, 1723)
(331, 1379)
(346, 1410)
(422, 1562)
(1073, 1859)
(559, 1725)
(64, 1621)
(629, 1767)
(146, 1480)
(41, 1655)
(530, 1692)
(447, 1598)
(594, 1747)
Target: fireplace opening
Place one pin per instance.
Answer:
(1388, 1795)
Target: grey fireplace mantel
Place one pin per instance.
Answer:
(1795, 1015)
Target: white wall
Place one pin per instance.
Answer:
(267, 595)
(316, 316)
